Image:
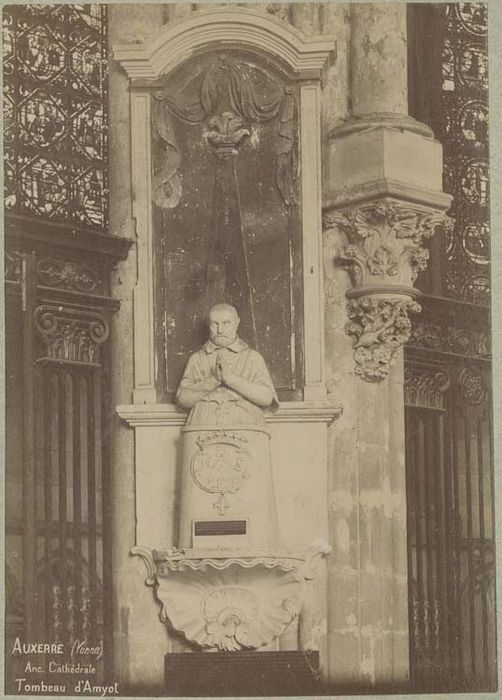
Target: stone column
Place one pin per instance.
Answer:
(140, 641)
(382, 199)
(378, 58)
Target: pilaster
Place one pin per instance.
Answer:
(139, 641)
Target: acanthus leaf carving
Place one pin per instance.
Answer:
(381, 246)
(384, 240)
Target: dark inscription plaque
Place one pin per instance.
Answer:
(223, 527)
(224, 674)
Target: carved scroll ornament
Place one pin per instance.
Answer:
(383, 254)
(71, 335)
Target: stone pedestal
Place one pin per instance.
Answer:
(227, 490)
(275, 674)
(231, 584)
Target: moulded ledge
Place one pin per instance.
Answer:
(145, 415)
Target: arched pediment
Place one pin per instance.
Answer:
(302, 56)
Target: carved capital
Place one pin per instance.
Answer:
(379, 326)
(425, 387)
(71, 335)
(381, 246)
(384, 241)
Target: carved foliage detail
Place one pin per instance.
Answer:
(384, 241)
(225, 132)
(448, 338)
(56, 272)
(71, 335)
(425, 387)
(281, 10)
(378, 327)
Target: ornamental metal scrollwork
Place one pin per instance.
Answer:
(55, 65)
(463, 112)
(473, 386)
(70, 335)
(460, 340)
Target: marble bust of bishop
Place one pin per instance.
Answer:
(226, 383)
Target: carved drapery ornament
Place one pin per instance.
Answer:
(383, 253)
(228, 100)
(71, 335)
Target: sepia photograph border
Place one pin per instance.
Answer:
(495, 108)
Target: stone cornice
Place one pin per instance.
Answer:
(250, 30)
(385, 188)
(145, 415)
(27, 234)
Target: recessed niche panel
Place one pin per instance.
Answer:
(227, 225)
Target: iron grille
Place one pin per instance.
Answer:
(55, 91)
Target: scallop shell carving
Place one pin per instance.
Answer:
(232, 609)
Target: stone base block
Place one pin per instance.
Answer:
(376, 161)
(234, 674)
